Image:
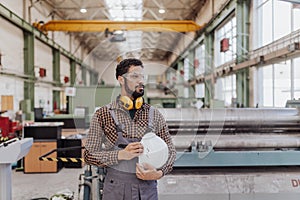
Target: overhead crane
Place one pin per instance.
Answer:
(104, 25)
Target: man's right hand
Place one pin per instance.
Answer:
(132, 150)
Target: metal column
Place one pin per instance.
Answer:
(209, 67)
(242, 76)
(83, 74)
(29, 67)
(56, 77)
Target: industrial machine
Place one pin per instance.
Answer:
(8, 128)
(10, 152)
(225, 154)
(239, 153)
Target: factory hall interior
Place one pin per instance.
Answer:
(150, 99)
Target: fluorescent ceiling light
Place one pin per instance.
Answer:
(83, 10)
(118, 32)
(161, 11)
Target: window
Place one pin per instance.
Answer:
(273, 19)
(279, 82)
(200, 60)
(282, 83)
(200, 90)
(199, 69)
(296, 78)
(276, 84)
(225, 89)
(296, 17)
(267, 87)
(228, 30)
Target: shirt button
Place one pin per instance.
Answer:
(111, 181)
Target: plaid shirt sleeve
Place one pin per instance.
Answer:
(163, 132)
(95, 153)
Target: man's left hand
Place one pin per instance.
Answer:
(146, 171)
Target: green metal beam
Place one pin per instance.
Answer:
(209, 68)
(29, 67)
(72, 72)
(70, 100)
(56, 77)
(191, 57)
(83, 75)
(56, 99)
(242, 46)
(242, 87)
(94, 78)
(56, 67)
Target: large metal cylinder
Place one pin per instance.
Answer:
(232, 120)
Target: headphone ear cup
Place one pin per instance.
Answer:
(139, 102)
(126, 102)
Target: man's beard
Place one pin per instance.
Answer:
(138, 92)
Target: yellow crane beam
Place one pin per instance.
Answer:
(102, 25)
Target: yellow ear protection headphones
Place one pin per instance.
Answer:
(128, 104)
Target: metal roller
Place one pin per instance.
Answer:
(234, 120)
(242, 141)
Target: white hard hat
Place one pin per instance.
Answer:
(156, 151)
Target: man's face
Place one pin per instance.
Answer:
(133, 81)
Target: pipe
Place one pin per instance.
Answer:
(242, 141)
(256, 115)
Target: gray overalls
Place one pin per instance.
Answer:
(121, 182)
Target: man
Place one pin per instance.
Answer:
(114, 139)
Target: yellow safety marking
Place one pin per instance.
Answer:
(64, 159)
(73, 159)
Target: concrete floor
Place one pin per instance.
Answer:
(30, 186)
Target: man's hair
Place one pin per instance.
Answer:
(124, 65)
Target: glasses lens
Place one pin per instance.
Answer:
(135, 76)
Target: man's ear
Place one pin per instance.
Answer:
(121, 80)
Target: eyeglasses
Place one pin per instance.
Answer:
(135, 76)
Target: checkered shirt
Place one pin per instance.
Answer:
(99, 147)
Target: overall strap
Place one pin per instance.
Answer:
(150, 120)
(113, 115)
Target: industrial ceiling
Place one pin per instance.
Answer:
(146, 45)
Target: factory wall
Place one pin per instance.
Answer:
(12, 57)
(43, 59)
(11, 50)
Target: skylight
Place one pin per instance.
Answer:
(127, 10)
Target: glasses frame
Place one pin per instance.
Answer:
(132, 76)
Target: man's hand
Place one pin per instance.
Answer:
(132, 150)
(147, 172)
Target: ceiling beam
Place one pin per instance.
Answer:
(102, 25)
